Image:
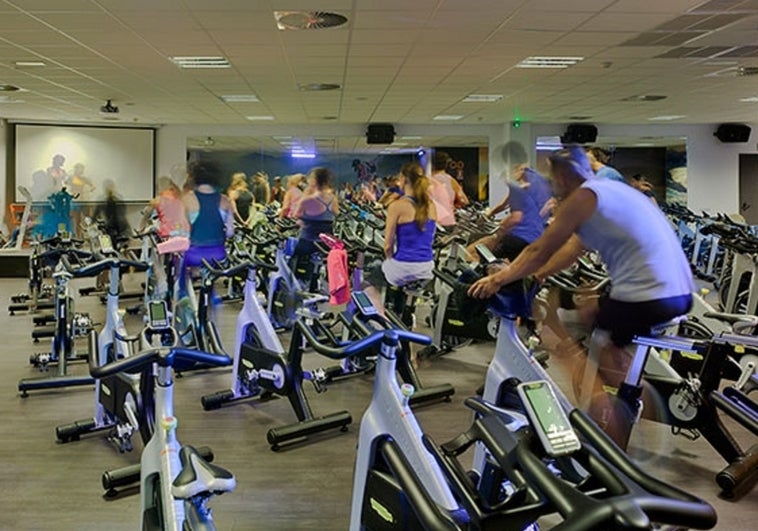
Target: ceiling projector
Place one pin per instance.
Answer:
(109, 108)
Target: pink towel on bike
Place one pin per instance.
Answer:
(338, 276)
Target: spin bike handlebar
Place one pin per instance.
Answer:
(96, 268)
(235, 270)
(630, 499)
(389, 337)
(163, 356)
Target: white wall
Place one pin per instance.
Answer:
(3, 142)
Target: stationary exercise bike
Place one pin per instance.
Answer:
(262, 368)
(690, 395)
(121, 406)
(405, 481)
(176, 482)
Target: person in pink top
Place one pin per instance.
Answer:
(168, 206)
(291, 196)
(441, 190)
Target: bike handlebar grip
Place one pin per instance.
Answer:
(669, 503)
(197, 356)
(229, 272)
(263, 265)
(163, 356)
(93, 269)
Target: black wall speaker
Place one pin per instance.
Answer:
(380, 134)
(733, 133)
(579, 134)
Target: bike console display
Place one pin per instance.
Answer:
(157, 312)
(549, 420)
(363, 304)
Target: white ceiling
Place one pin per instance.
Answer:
(397, 61)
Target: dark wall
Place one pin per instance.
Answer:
(464, 168)
(346, 167)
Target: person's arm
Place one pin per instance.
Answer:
(286, 201)
(563, 258)
(461, 199)
(229, 218)
(335, 205)
(576, 210)
(497, 208)
(510, 221)
(389, 230)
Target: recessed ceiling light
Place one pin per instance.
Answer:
(410, 138)
(316, 87)
(29, 64)
(302, 155)
(8, 88)
(264, 117)
(200, 62)
(482, 98)
(448, 117)
(240, 98)
(549, 62)
(666, 117)
(751, 99)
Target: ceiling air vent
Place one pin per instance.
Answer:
(304, 20)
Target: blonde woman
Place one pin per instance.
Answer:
(291, 196)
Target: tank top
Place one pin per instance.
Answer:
(242, 202)
(313, 225)
(414, 244)
(208, 227)
(171, 215)
(643, 255)
(443, 195)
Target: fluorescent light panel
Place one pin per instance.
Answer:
(200, 62)
(259, 118)
(240, 98)
(301, 155)
(482, 98)
(751, 99)
(549, 62)
(666, 117)
(448, 117)
(29, 64)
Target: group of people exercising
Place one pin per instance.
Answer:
(549, 224)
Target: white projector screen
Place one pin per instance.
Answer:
(84, 160)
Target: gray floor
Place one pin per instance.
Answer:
(49, 486)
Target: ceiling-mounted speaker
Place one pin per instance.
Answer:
(380, 134)
(579, 134)
(733, 133)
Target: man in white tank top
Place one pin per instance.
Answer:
(651, 281)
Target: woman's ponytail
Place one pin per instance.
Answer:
(420, 185)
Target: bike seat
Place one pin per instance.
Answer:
(416, 287)
(199, 476)
(661, 328)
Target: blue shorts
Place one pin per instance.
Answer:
(193, 257)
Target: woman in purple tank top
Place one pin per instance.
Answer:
(409, 234)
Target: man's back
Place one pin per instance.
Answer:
(644, 258)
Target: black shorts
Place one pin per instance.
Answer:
(509, 247)
(624, 320)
